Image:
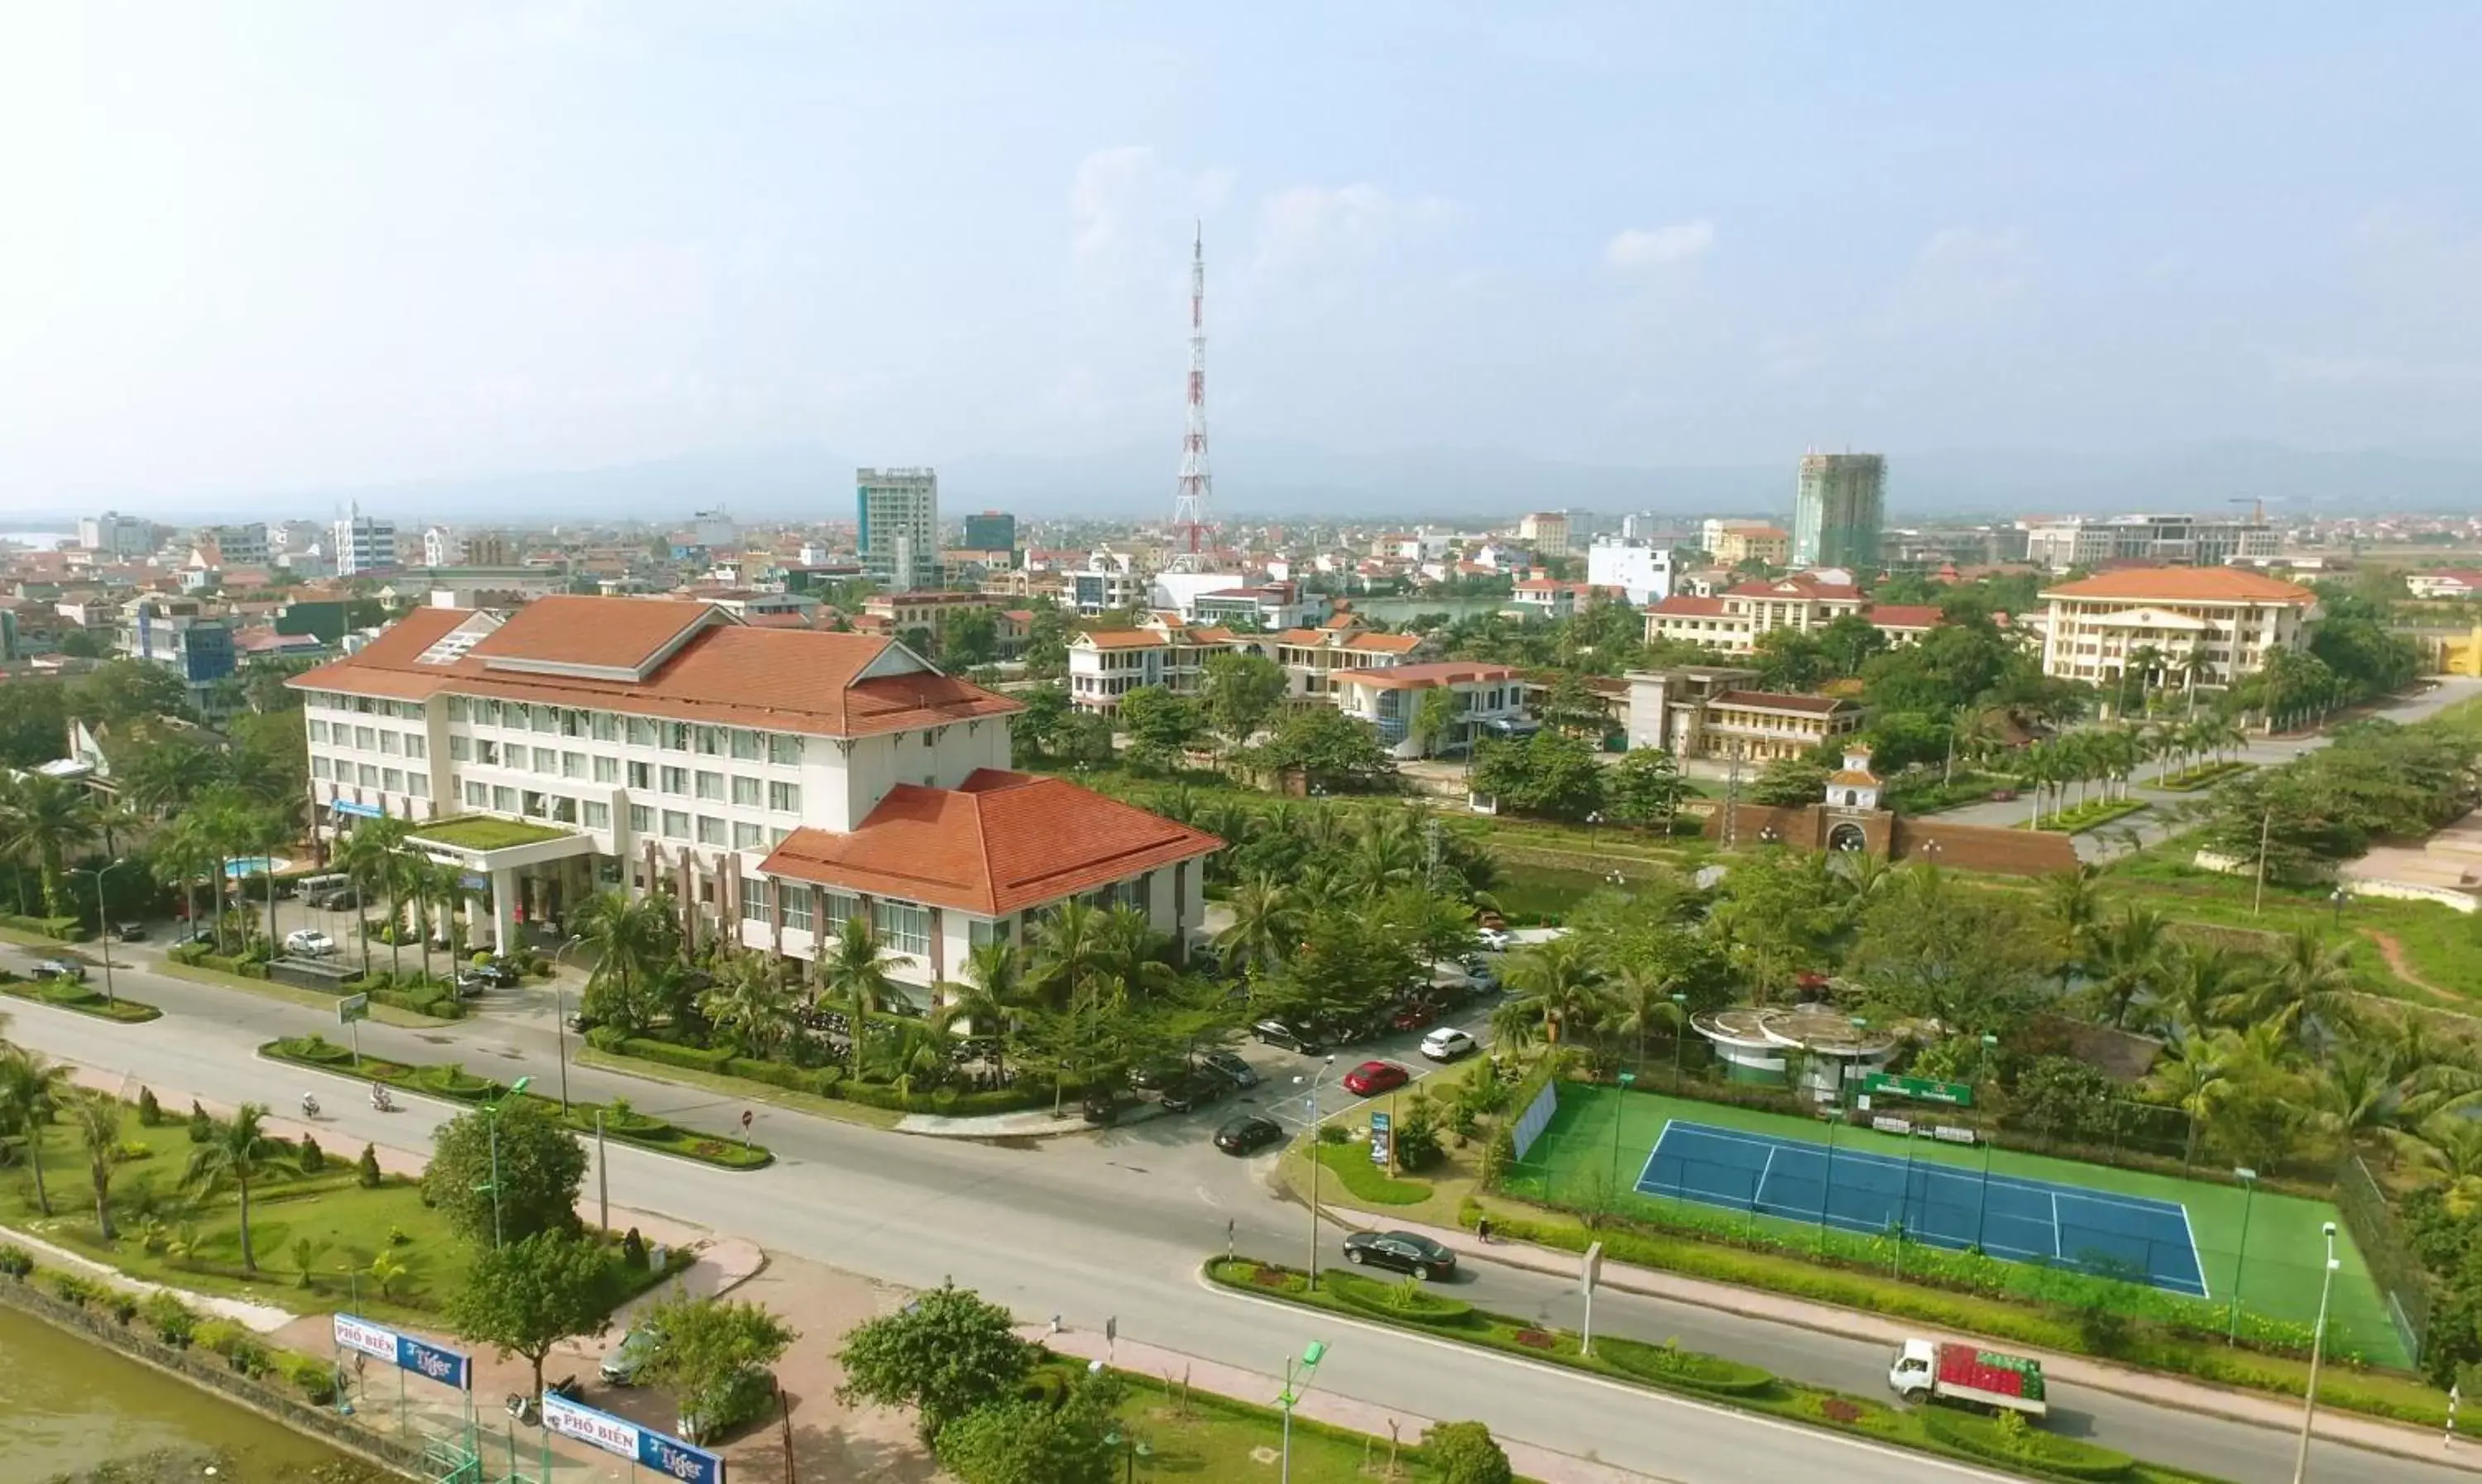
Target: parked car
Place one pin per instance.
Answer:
(1479, 973)
(1195, 1091)
(1155, 1075)
(309, 943)
(493, 973)
(342, 899)
(581, 1023)
(60, 968)
(1414, 1016)
(626, 1358)
(1247, 1134)
(1290, 1038)
(1498, 940)
(1100, 1108)
(1371, 1078)
(1448, 1042)
(1402, 1251)
(131, 932)
(1229, 1065)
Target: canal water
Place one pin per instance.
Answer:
(67, 1403)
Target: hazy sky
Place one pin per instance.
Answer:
(258, 246)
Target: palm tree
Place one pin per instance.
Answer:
(1132, 954)
(1641, 994)
(96, 1118)
(2197, 1079)
(2072, 900)
(166, 777)
(750, 1004)
(907, 1053)
(179, 856)
(1067, 946)
(31, 1090)
(986, 1004)
(1561, 984)
(856, 975)
(2131, 959)
(368, 856)
(2358, 1100)
(237, 1154)
(46, 818)
(2198, 989)
(629, 942)
(2310, 987)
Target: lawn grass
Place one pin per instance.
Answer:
(1200, 1435)
(483, 831)
(1349, 1164)
(2079, 818)
(2204, 776)
(312, 999)
(1574, 1162)
(85, 999)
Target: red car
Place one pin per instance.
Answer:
(1416, 1016)
(1372, 1077)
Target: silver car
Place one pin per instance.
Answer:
(627, 1357)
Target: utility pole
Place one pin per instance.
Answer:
(1732, 798)
(2265, 830)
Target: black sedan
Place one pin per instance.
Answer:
(1247, 1134)
(1194, 1091)
(1402, 1251)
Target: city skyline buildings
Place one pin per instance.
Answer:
(1840, 506)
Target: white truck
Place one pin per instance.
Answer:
(1964, 1375)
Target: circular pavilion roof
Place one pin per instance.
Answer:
(1821, 1029)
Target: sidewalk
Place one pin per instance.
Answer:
(2257, 1409)
(1250, 1386)
(1031, 1123)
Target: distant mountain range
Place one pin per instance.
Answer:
(1284, 480)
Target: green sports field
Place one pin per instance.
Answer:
(1601, 1138)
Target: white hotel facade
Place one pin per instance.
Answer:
(776, 782)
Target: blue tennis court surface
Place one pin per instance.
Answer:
(1946, 1205)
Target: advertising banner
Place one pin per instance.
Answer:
(405, 1352)
(669, 1457)
(1924, 1088)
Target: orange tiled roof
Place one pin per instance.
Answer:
(599, 631)
(1419, 676)
(1123, 639)
(1773, 701)
(1001, 842)
(2186, 584)
(1901, 614)
(1384, 643)
(1685, 607)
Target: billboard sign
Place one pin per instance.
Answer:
(358, 811)
(405, 1352)
(669, 1457)
(1920, 1089)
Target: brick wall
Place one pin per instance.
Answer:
(1964, 847)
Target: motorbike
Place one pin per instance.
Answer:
(381, 1101)
(525, 1409)
(309, 1107)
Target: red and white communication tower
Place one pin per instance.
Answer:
(1197, 489)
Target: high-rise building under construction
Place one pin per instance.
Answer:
(1839, 510)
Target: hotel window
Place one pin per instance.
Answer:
(318, 730)
(676, 824)
(607, 726)
(319, 767)
(710, 786)
(572, 765)
(572, 723)
(673, 736)
(982, 933)
(753, 899)
(546, 718)
(598, 817)
(783, 749)
(641, 820)
(487, 751)
(745, 744)
(390, 745)
(418, 785)
(784, 798)
(642, 775)
(607, 770)
(841, 908)
(710, 830)
(640, 732)
(363, 738)
(533, 805)
(504, 799)
(797, 908)
(564, 809)
(460, 709)
(546, 760)
(709, 740)
(416, 746)
(746, 836)
(904, 927)
(677, 779)
(744, 792)
(488, 713)
(477, 796)
(369, 775)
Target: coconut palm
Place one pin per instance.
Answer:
(855, 971)
(31, 1091)
(96, 1118)
(2129, 960)
(236, 1154)
(1068, 948)
(2197, 1079)
(2198, 989)
(168, 774)
(1641, 1000)
(753, 1005)
(180, 855)
(42, 819)
(629, 942)
(2072, 901)
(369, 856)
(1266, 924)
(1559, 983)
(988, 1002)
(2309, 988)
(1132, 964)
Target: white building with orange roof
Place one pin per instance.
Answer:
(2213, 624)
(775, 782)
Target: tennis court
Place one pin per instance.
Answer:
(1946, 1205)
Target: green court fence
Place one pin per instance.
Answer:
(2372, 1218)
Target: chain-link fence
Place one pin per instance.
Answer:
(2372, 1218)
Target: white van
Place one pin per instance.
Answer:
(313, 886)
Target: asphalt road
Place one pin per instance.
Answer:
(1112, 1224)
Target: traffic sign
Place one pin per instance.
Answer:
(351, 1008)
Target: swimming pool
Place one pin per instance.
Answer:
(257, 865)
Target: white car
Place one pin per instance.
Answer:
(1496, 940)
(309, 943)
(1448, 1042)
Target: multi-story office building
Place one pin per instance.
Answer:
(1490, 702)
(364, 544)
(179, 634)
(1547, 531)
(1733, 620)
(1730, 542)
(898, 515)
(2208, 626)
(2188, 541)
(116, 535)
(991, 530)
(1838, 509)
(1719, 712)
(236, 545)
(443, 546)
(1108, 664)
(775, 782)
(1640, 568)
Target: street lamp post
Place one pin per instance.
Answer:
(1679, 1033)
(2337, 897)
(2240, 1266)
(492, 1123)
(1317, 1120)
(560, 1018)
(1627, 1079)
(2318, 1348)
(1990, 1043)
(102, 916)
(1296, 1380)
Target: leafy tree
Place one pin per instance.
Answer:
(235, 1154)
(121, 691)
(1646, 786)
(1037, 726)
(2062, 1097)
(1241, 691)
(1848, 642)
(542, 1166)
(969, 638)
(97, 1117)
(1789, 782)
(1083, 740)
(525, 1297)
(1465, 1453)
(1026, 1441)
(1046, 638)
(1161, 725)
(1434, 716)
(1790, 659)
(944, 1354)
(1333, 750)
(34, 721)
(1549, 773)
(1572, 708)
(1344, 968)
(701, 1345)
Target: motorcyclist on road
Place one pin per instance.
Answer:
(310, 1106)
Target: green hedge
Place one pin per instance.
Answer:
(669, 1054)
(68, 930)
(70, 995)
(830, 1081)
(2019, 1446)
(199, 956)
(1686, 1367)
(1408, 1300)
